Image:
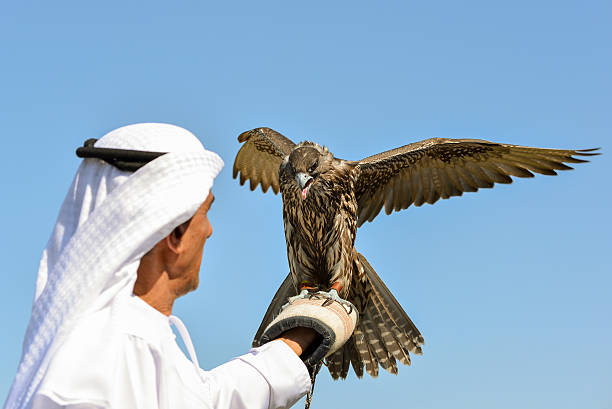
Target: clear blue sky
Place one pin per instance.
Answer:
(510, 286)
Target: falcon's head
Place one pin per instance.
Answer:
(307, 164)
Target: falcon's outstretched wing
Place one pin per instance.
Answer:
(260, 157)
(425, 171)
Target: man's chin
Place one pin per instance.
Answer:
(188, 287)
(194, 285)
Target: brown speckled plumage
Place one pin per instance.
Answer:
(320, 227)
(317, 238)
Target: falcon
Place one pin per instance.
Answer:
(325, 200)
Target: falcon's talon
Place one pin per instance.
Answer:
(300, 296)
(331, 296)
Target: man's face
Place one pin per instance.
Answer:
(192, 245)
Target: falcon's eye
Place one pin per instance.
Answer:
(313, 167)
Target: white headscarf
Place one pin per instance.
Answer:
(108, 221)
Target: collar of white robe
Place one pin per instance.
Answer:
(182, 330)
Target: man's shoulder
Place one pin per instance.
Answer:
(125, 321)
(83, 362)
(100, 349)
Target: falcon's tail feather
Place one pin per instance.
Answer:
(391, 309)
(384, 333)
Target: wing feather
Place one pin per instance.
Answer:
(424, 176)
(494, 173)
(441, 182)
(426, 171)
(388, 198)
(417, 187)
(467, 179)
(260, 157)
(508, 168)
(454, 186)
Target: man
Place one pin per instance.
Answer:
(127, 244)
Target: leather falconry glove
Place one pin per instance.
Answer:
(333, 320)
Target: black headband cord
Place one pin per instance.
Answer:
(123, 159)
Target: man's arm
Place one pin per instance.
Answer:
(275, 375)
(271, 376)
(298, 339)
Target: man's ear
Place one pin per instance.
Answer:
(173, 242)
(174, 239)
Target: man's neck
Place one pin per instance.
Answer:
(156, 299)
(153, 285)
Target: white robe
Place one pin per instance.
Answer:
(126, 356)
(109, 219)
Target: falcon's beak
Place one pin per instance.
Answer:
(304, 181)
